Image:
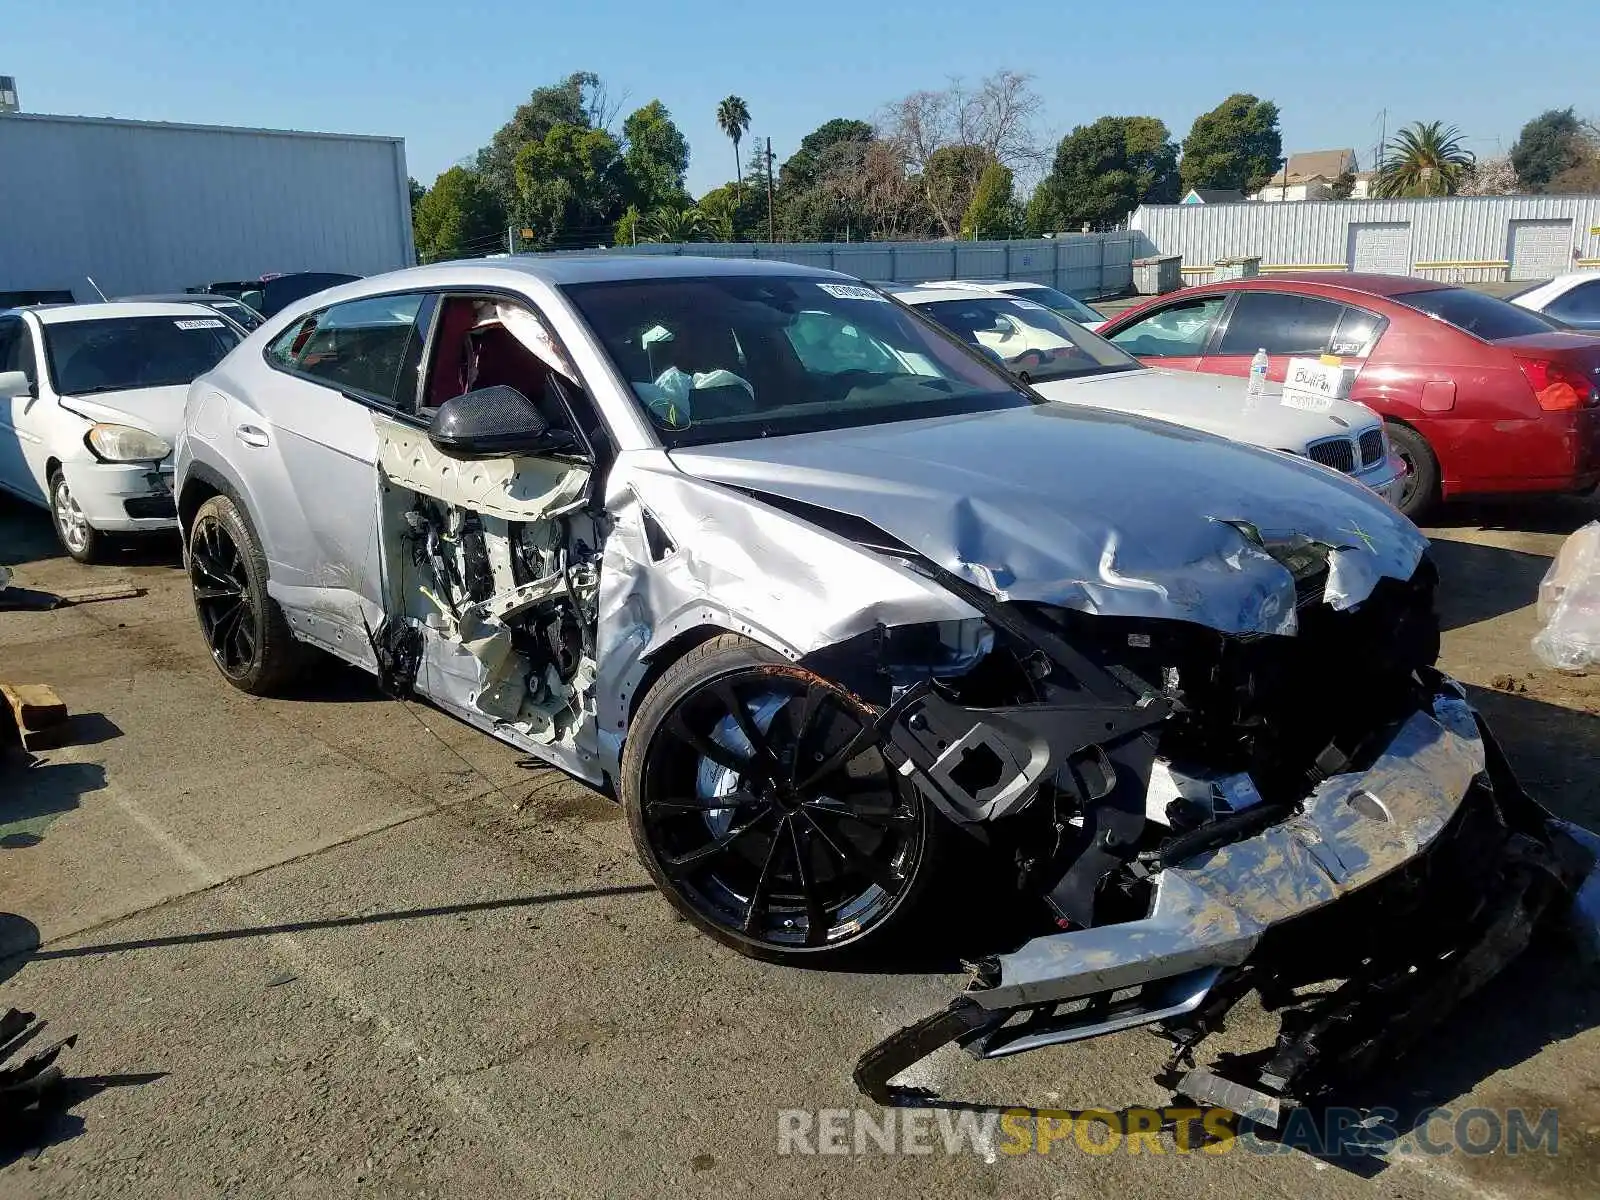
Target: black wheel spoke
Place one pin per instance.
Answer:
(708, 748)
(755, 912)
(845, 851)
(810, 707)
(682, 864)
(816, 914)
(733, 799)
(878, 817)
(765, 760)
(216, 592)
(840, 758)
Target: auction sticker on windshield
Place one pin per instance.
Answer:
(851, 291)
(200, 323)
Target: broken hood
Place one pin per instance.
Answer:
(1095, 511)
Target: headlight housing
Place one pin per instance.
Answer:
(124, 443)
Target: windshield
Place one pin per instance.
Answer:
(1035, 343)
(1069, 307)
(242, 313)
(120, 353)
(742, 356)
(1473, 312)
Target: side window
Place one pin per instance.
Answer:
(1179, 330)
(1358, 333)
(16, 349)
(1578, 306)
(481, 341)
(1280, 324)
(360, 346)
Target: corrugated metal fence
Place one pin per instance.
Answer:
(1086, 264)
(1460, 239)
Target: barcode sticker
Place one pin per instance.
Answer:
(200, 323)
(851, 291)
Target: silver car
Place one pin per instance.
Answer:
(836, 607)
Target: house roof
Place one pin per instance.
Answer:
(1315, 164)
(1216, 195)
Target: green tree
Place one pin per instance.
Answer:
(569, 185)
(950, 180)
(458, 217)
(1235, 145)
(1548, 145)
(733, 118)
(579, 99)
(1424, 159)
(802, 168)
(733, 213)
(1341, 187)
(655, 159)
(1102, 172)
(992, 212)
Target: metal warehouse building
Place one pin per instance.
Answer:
(1461, 239)
(151, 207)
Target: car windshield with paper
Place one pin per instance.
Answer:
(120, 354)
(1033, 342)
(726, 358)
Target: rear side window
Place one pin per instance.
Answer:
(1280, 323)
(1178, 330)
(363, 346)
(1358, 333)
(1580, 305)
(1472, 312)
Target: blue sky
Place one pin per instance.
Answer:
(446, 75)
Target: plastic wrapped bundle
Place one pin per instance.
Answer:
(1569, 605)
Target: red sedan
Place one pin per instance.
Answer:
(1478, 395)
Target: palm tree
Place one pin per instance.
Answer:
(733, 117)
(673, 225)
(1424, 159)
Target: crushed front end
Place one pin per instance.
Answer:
(1318, 817)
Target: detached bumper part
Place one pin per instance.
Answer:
(1437, 806)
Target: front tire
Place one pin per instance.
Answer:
(78, 538)
(1419, 491)
(243, 626)
(762, 819)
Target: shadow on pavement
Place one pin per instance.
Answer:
(1530, 514)
(19, 938)
(404, 914)
(52, 1122)
(32, 796)
(1552, 748)
(1482, 582)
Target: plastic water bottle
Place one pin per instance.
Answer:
(1257, 387)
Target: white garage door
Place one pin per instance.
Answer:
(1540, 249)
(1381, 246)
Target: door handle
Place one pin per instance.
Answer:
(252, 435)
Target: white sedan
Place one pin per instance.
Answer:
(1063, 361)
(91, 400)
(1573, 299)
(1056, 301)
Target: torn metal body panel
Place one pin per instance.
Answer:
(1043, 504)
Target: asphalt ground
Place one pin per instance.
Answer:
(335, 945)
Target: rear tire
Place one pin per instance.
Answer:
(812, 854)
(1419, 491)
(78, 538)
(243, 626)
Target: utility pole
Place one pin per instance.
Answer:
(772, 235)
